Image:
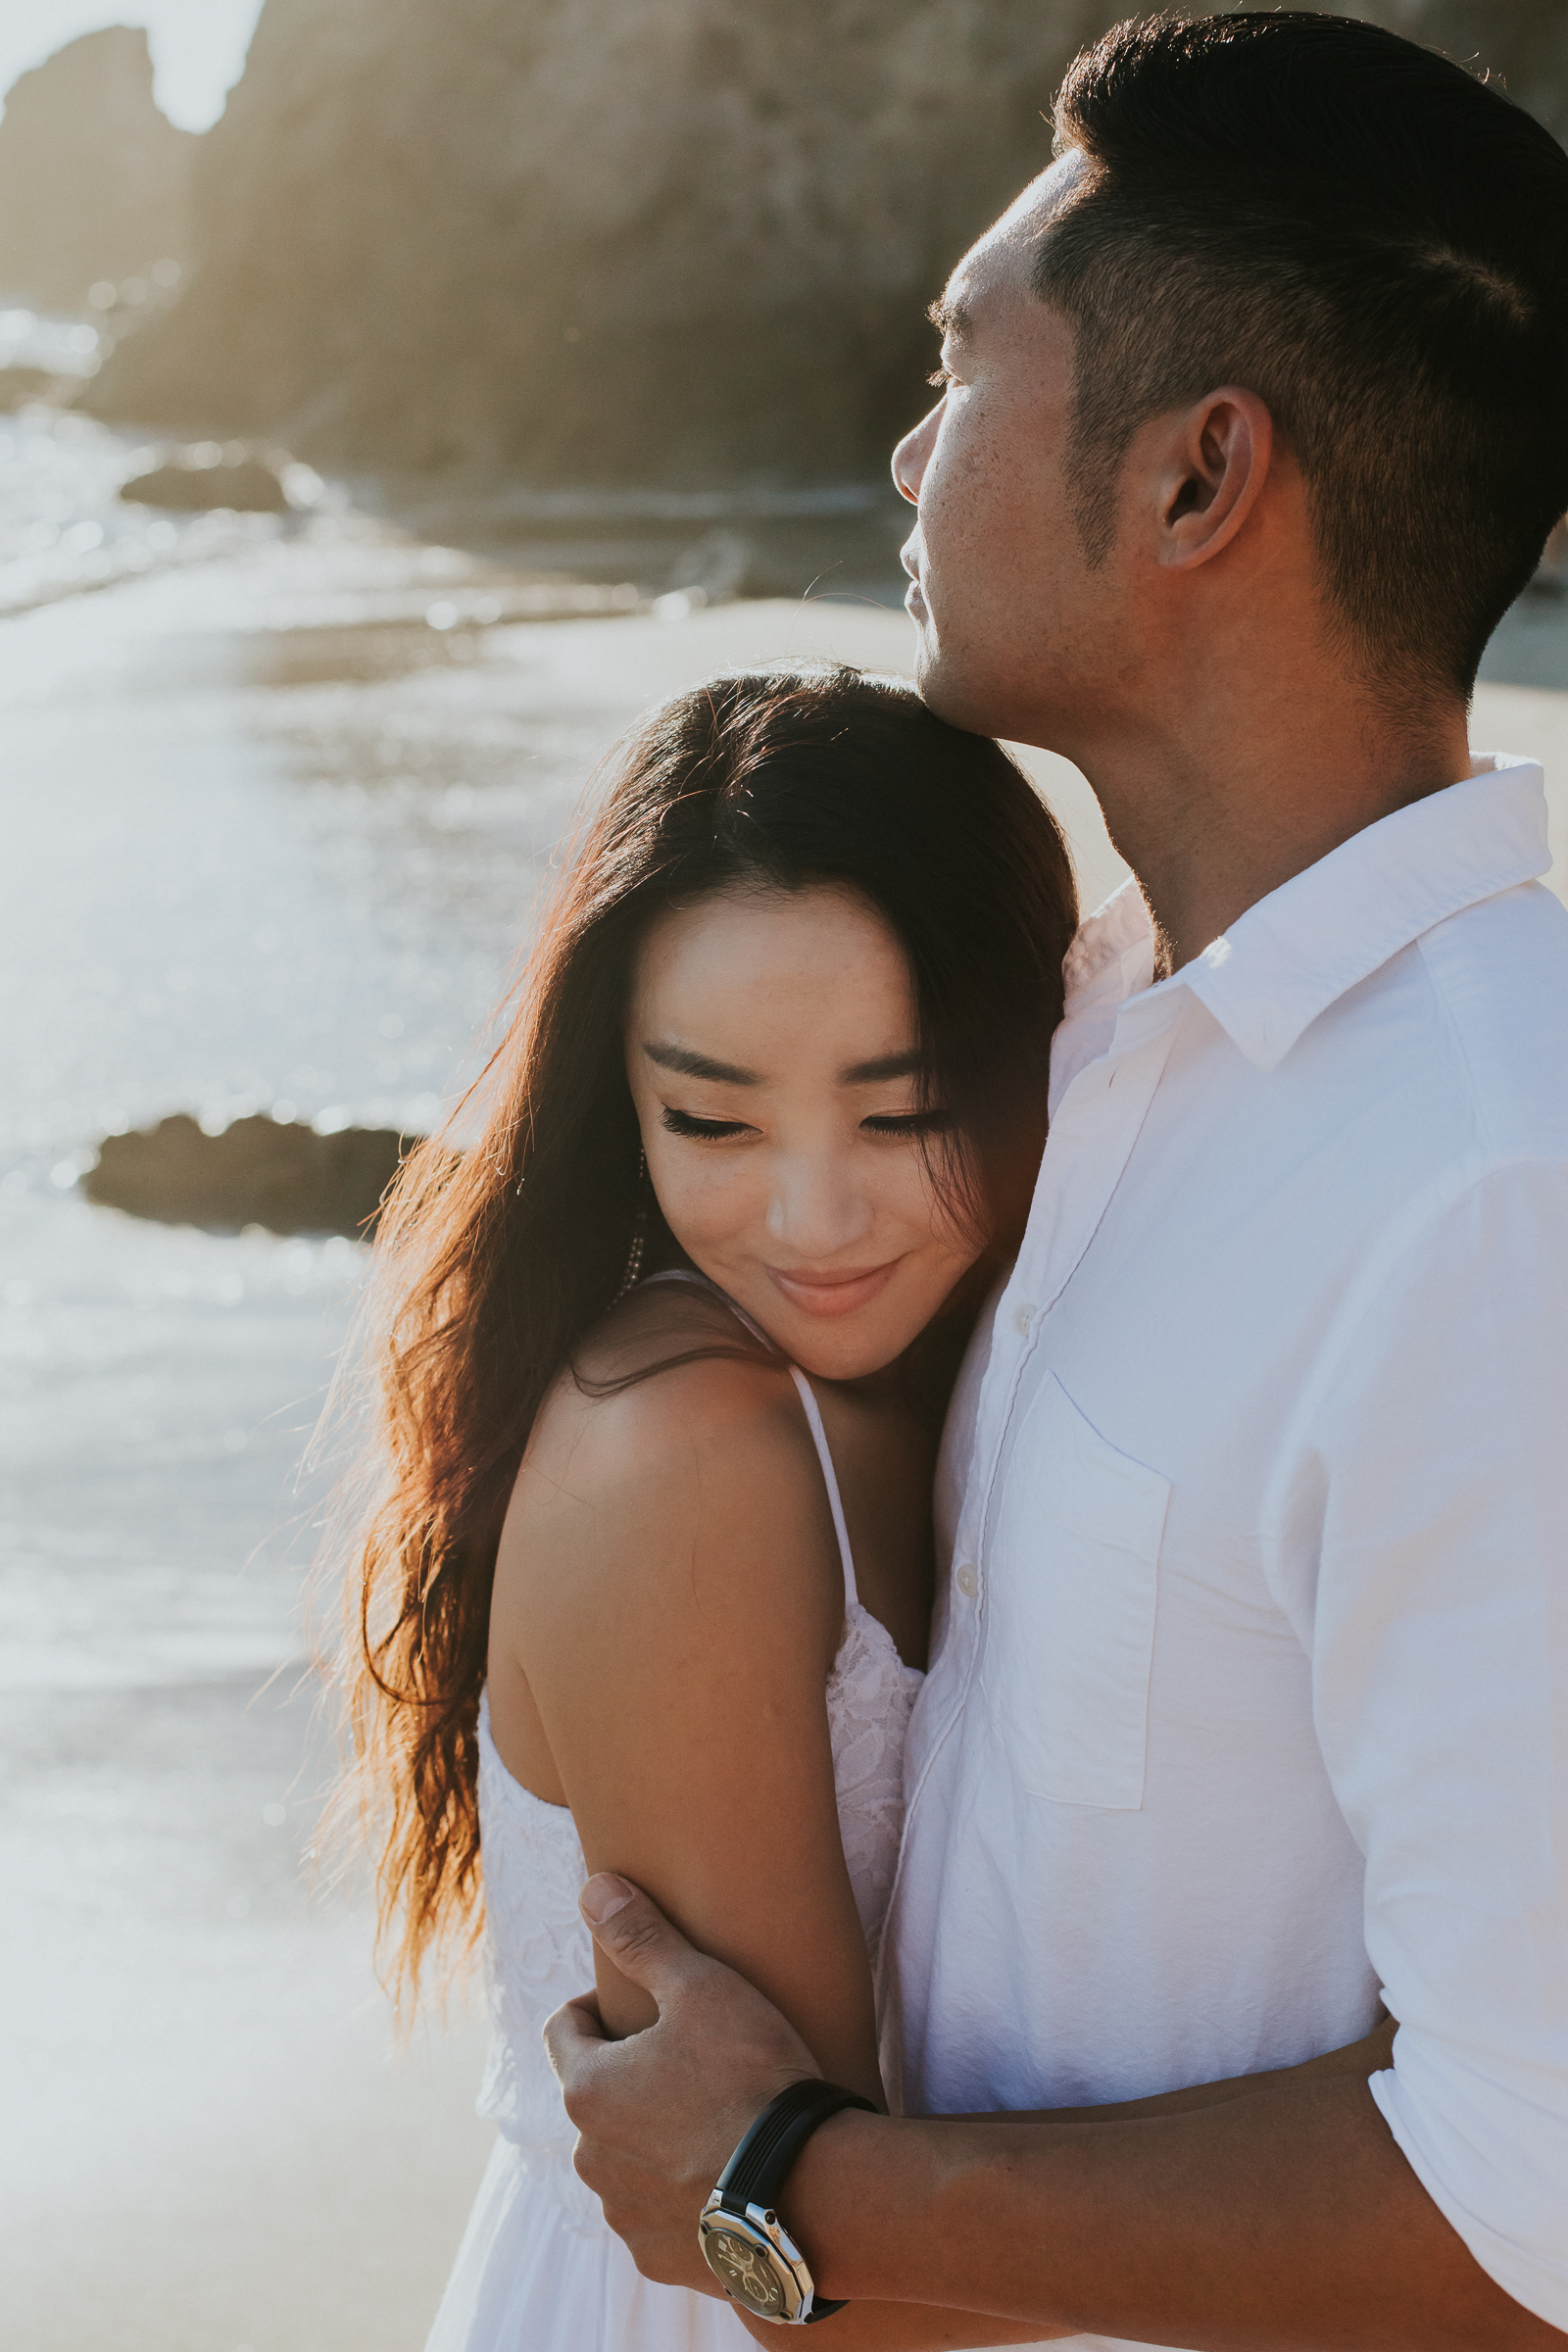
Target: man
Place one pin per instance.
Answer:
(1250, 1691)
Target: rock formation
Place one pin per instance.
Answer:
(94, 183)
(622, 241)
(245, 485)
(255, 1172)
(595, 240)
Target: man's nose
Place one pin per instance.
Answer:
(913, 454)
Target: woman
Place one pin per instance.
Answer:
(667, 1362)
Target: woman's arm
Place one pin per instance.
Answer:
(668, 1597)
(668, 1602)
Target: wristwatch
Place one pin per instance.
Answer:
(744, 2243)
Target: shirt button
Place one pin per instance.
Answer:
(967, 1582)
(1023, 1315)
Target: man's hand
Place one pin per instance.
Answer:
(1280, 2218)
(659, 2114)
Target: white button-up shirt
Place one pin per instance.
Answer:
(1250, 1692)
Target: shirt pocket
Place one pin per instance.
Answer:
(1072, 1567)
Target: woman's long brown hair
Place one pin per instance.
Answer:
(492, 1265)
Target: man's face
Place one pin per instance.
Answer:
(1010, 622)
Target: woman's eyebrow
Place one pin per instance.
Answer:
(878, 1072)
(690, 1064)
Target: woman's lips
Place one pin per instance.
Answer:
(833, 1295)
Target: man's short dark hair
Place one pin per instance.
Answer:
(1372, 241)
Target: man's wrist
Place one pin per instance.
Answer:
(888, 2209)
(862, 2197)
(844, 2158)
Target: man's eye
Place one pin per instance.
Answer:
(681, 1122)
(909, 1123)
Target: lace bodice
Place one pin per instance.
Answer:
(537, 1951)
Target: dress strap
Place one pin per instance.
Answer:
(703, 1282)
(813, 1418)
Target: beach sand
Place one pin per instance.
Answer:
(211, 2145)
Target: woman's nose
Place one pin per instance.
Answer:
(913, 454)
(817, 1213)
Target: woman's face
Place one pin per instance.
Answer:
(772, 1052)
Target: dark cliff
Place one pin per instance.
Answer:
(94, 183)
(595, 240)
(648, 241)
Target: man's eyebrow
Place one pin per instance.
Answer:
(691, 1064)
(952, 319)
(890, 1065)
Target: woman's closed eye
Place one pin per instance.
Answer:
(713, 1131)
(904, 1125)
(908, 1123)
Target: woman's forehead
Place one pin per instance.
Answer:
(737, 936)
(745, 979)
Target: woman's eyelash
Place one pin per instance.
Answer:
(905, 1124)
(684, 1122)
(941, 378)
(908, 1122)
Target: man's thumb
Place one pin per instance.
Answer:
(634, 1933)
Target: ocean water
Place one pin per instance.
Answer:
(259, 849)
(279, 798)
(262, 849)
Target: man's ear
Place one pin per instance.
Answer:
(1208, 474)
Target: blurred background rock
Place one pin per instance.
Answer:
(627, 241)
(676, 241)
(94, 180)
(509, 257)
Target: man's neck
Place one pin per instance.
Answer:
(1209, 834)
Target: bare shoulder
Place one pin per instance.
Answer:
(668, 1451)
(659, 1381)
(656, 1324)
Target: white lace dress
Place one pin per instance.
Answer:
(538, 2271)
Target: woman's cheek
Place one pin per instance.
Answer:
(703, 1206)
(911, 1197)
(670, 1192)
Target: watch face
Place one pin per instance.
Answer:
(745, 2271)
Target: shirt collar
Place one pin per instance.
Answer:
(1112, 955)
(1300, 949)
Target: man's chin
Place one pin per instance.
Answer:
(928, 670)
(942, 686)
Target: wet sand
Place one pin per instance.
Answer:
(211, 2145)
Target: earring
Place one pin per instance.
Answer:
(639, 1231)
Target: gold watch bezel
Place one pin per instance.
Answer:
(759, 2229)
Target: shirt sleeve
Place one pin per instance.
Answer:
(1417, 1535)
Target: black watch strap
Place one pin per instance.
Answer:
(757, 2172)
(760, 2165)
